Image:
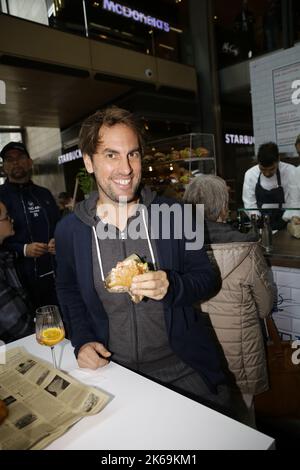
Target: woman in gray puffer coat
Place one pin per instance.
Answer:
(247, 291)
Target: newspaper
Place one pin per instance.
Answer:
(43, 402)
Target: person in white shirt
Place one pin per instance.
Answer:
(271, 185)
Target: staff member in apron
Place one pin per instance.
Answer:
(269, 184)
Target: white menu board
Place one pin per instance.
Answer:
(287, 114)
(275, 95)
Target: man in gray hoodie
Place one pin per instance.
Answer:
(162, 337)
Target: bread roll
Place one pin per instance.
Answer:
(120, 278)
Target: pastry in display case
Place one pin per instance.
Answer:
(169, 164)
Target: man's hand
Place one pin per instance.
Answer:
(35, 250)
(88, 356)
(153, 284)
(51, 247)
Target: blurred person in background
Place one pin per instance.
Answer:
(272, 25)
(35, 215)
(246, 295)
(65, 203)
(244, 26)
(15, 311)
(270, 185)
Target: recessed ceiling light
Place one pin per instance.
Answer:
(23, 88)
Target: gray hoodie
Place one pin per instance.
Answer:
(137, 332)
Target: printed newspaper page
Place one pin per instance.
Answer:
(43, 402)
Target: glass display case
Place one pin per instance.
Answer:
(169, 164)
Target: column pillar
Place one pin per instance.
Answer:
(201, 14)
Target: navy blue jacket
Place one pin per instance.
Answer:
(35, 215)
(191, 278)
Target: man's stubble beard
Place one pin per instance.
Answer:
(112, 196)
(20, 175)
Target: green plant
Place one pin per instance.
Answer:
(86, 181)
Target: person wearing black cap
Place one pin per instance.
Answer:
(270, 185)
(35, 215)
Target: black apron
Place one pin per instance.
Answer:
(272, 196)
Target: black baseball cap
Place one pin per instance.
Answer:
(13, 146)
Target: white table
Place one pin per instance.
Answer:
(143, 414)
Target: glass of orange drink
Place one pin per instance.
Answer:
(49, 328)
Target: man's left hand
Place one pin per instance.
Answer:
(153, 284)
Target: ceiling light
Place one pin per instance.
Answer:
(167, 47)
(177, 30)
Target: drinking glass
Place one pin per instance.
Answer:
(49, 328)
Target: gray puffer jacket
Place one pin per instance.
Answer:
(245, 297)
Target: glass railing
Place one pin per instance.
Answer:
(142, 28)
(281, 243)
(244, 215)
(253, 30)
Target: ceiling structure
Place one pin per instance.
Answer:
(44, 98)
(48, 99)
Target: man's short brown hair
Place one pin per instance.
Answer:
(268, 154)
(89, 132)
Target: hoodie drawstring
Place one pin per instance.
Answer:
(98, 253)
(148, 240)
